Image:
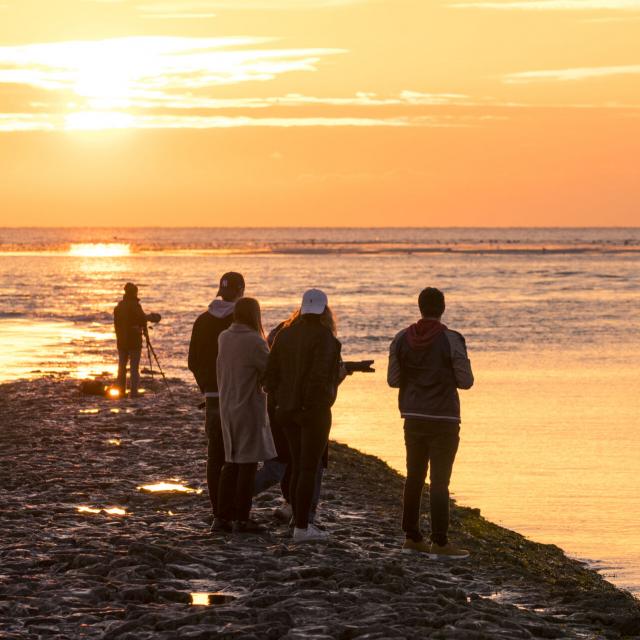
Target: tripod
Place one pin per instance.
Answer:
(151, 350)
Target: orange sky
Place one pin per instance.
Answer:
(319, 112)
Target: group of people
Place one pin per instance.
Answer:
(268, 400)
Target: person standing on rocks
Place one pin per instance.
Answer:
(428, 363)
(241, 364)
(130, 323)
(278, 469)
(303, 374)
(203, 352)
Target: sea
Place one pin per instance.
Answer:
(550, 437)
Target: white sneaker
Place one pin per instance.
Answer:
(283, 513)
(310, 534)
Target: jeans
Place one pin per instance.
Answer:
(235, 491)
(215, 450)
(273, 471)
(436, 443)
(307, 434)
(133, 357)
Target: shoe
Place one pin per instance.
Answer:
(220, 525)
(447, 552)
(247, 526)
(411, 546)
(310, 534)
(283, 513)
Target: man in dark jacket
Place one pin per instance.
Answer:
(130, 323)
(203, 352)
(429, 363)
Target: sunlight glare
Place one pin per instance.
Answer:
(99, 250)
(98, 120)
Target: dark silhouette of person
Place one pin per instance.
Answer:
(428, 363)
(303, 374)
(203, 353)
(130, 323)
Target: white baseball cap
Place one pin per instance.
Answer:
(313, 301)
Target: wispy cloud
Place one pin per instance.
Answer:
(550, 5)
(180, 8)
(97, 121)
(118, 71)
(175, 10)
(571, 74)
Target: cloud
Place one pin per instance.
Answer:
(260, 5)
(97, 121)
(120, 71)
(174, 10)
(551, 5)
(188, 8)
(571, 74)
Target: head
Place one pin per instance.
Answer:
(130, 290)
(431, 303)
(315, 302)
(247, 312)
(231, 286)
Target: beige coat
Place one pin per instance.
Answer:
(242, 360)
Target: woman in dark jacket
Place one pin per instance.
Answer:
(303, 373)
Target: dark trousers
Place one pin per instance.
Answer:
(235, 491)
(215, 450)
(131, 356)
(307, 434)
(435, 443)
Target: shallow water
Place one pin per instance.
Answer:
(550, 442)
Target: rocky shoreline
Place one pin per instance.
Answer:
(86, 553)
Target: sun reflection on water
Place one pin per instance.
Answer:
(99, 249)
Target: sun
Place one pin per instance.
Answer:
(99, 250)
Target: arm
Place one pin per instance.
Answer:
(393, 368)
(261, 358)
(272, 372)
(195, 354)
(460, 361)
(323, 374)
(142, 320)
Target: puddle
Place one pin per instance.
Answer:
(91, 411)
(87, 510)
(115, 441)
(208, 598)
(114, 410)
(112, 511)
(168, 487)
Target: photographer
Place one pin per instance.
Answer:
(130, 323)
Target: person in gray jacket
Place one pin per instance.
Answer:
(428, 363)
(240, 365)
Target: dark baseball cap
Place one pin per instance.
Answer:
(230, 283)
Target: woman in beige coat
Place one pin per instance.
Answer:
(241, 363)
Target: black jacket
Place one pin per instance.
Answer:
(429, 377)
(130, 323)
(303, 367)
(203, 348)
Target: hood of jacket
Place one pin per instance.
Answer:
(422, 333)
(220, 308)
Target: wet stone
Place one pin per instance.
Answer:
(69, 575)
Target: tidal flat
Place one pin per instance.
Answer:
(105, 534)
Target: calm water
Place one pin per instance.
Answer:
(550, 441)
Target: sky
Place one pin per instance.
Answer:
(319, 112)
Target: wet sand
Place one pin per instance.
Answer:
(85, 553)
